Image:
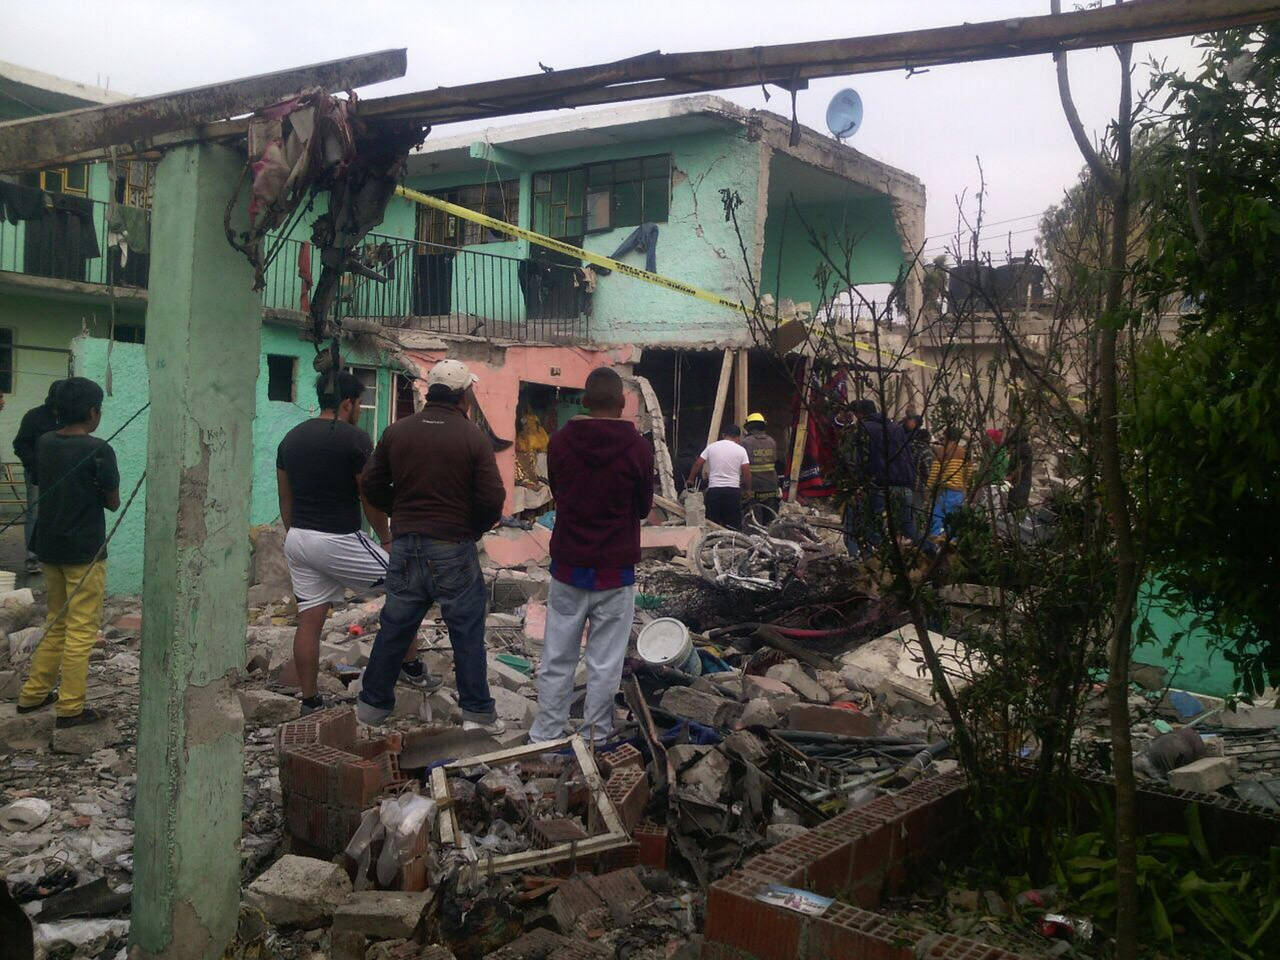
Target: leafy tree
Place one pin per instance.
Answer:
(1205, 407)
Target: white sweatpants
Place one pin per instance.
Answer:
(610, 613)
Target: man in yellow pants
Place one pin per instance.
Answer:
(70, 540)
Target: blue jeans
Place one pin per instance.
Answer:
(421, 571)
(863, 521)
(946, 503)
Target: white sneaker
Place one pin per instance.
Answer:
(497, 728)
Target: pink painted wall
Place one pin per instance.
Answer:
(499, 388)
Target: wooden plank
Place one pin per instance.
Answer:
(596, 785)
(802, 435)
(666, 473)
(741, 395)
(512, 753)
(34, 142)
(722, 394)
(447, 818)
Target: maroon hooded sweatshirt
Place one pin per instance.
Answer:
(601, 475)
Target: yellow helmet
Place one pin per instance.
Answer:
(755, 418)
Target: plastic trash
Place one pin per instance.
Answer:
(78, 938)
(25, 814)
(1059, 926)
(404, 820)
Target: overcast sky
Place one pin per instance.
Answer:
(932, 125)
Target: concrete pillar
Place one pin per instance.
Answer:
(203, 325)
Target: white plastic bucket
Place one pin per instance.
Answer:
(665, 642)
(8, 580)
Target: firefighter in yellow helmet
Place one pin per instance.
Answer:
(763, 452)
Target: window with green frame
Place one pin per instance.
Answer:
(602, 196)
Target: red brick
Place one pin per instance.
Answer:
(308, 769)
(336, 726)
(413, 875)
(628, 788)
(624, 756)
(815, 718)
(297, 733)
(652, 838)
(549, 833)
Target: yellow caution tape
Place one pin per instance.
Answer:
(667, 283)
(559, 245)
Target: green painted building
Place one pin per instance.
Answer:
(73, 297)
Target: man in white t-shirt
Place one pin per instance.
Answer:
(728, 475)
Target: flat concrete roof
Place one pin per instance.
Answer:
(653, 119)
(46, 93)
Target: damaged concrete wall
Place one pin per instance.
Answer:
(501, 370)
(791, 259)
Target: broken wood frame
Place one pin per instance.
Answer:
(722, 395)
(658, 426)
(451, 832)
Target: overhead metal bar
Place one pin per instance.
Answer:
(33, 142)
(787, 65)
(658, 74)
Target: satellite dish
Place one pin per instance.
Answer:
(844, 114)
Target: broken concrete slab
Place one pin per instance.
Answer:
(708, 777)
(535, 622)
(746, 746)
(840, 721)
(896, 658)
(758, 713)
(506, 676)
(25, 731)
(777, 832)
(23, 642)
(1246, 717)
(509, 547)
(264, 708)
(86, 739)
(700, 707)
(1206, 775)
(299, 891)
(10, 684)
(778, 694)
(386, 914)
(513, 707)
(794, 676)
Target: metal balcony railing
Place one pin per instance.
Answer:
(443, 289)
(65, 237)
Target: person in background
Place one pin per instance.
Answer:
(921, 446)
(949, 478)
(71, 542)
(436, 475)
(887, 474)
(601, 475)
(763, 452)
(318, 467)
(728, 477)
(36, 422)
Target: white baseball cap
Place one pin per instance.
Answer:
(453, 374)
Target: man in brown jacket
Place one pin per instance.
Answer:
(435, 474)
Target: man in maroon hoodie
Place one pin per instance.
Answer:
(601, 474)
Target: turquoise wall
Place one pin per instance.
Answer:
(48, 324)
(791, 260)
(695, 244)
(1194, 664)
(271, 422)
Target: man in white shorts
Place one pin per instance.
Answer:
(317, 469)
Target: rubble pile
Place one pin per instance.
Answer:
(780, 690)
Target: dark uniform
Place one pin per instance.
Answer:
(764, 471)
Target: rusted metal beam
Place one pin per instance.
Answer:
(34, 142)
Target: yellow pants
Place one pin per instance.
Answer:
(62, 658)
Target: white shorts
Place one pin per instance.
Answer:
(323, 566)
